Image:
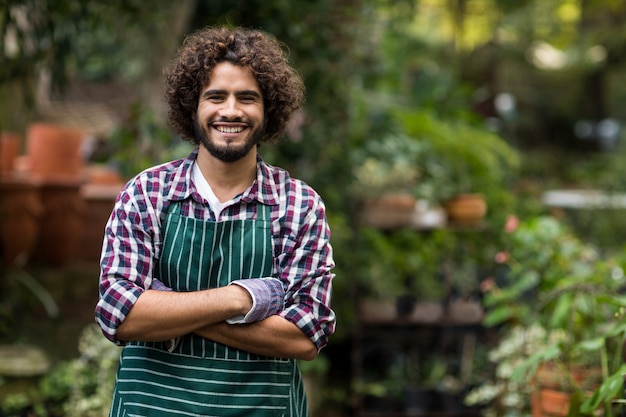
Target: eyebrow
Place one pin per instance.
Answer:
(238, 93)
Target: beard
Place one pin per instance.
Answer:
(228, 152)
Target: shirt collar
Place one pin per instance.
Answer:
(264, 189)
(181, 181)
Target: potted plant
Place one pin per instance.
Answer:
(469, 164)
(555, 281)
(381, 385)
(388, 181)
(401, 277)
(423, 384)
(499, 393)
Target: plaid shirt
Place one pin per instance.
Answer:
(300, 235)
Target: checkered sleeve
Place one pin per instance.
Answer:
(126, 261)
(307, 262)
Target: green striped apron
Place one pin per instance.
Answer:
(201, 377)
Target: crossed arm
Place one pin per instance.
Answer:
(163, 315)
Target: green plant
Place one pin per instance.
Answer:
(92, 376)
(390, 164)
(501, 393)
(384, 380)
(143, 141)
(404, 263)
(462, 158)
(557, 282)
(81, 387)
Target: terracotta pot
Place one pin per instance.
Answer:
(550, 375)
(9, 151)
(466, 209)
(389, 211)
(103, 175)
(378, 311)
(20, 211)
(464, 311)
(99, 201)
(61, 224)
(427, 312)
(550, 403)
(551, 397)
(54, 151)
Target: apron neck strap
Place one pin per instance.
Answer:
(263, 212)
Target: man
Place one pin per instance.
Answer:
(216, 269)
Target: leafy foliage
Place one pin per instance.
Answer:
(81, 387)
(405, 264)
(359, 59)
(60, 37)
(470, 159)
(390, 165)
(143, 141)
(558, 283)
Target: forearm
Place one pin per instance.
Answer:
(273, 336)
(162, 315)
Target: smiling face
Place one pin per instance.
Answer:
(229, 121)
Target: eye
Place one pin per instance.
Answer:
(214, 95)
(215, 98)
(247, 99)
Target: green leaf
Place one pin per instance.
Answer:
(530, 365)
(591, 345)
(615, 300)
(610, 389)
(616, 329)
(562, 311)
(575, 402)
(502, 314)
(527, 281)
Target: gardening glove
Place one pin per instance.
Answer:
(268, 298)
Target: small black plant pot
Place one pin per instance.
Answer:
(405, 305)
(421, 400)
(385, 403)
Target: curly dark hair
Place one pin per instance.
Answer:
(281, 85)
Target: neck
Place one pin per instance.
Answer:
(227, 179)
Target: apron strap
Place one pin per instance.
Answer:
(265, 212)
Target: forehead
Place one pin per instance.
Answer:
(232, 77)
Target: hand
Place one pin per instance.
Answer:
(268, 298)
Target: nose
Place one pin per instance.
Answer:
(230, 108)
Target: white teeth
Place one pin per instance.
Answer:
(225, 129)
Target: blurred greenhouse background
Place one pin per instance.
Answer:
(522, 102)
